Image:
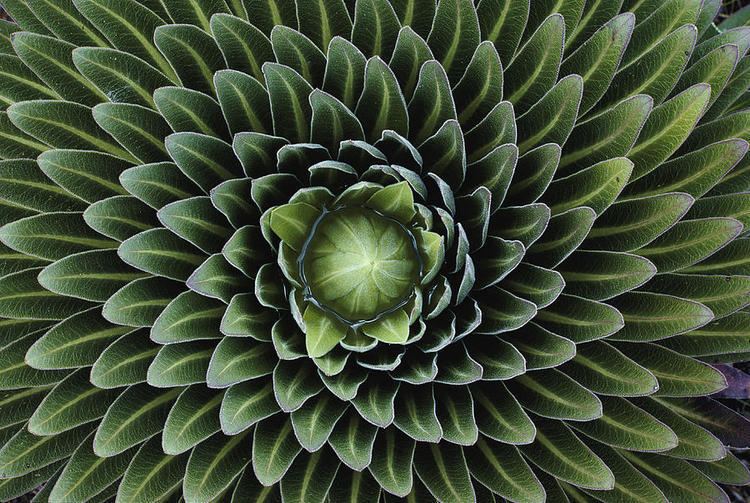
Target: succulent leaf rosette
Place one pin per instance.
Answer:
(359, 251)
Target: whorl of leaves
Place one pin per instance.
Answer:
(571, 178)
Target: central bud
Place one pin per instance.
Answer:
(359, 264)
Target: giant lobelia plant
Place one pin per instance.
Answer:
(319, 250)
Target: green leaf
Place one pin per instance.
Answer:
(551, 119)
(598, 58)
(216, 278)
(729, 470)
(391, 329)
(22, 297)
(678, 375)
(75, 342)
(629, 225)
(409, 54)
(192, 53)
(500, 416)
(87, 475)
(629, 482)
(294, 383)
(415, 414)
(151, 475)
(432, 102)
(536, 284)
(192, 419)
(122, 77)
(601, 275)
(245, 317)
(289, 94)
(418, 14)
(503, 22)
(375, 401)
(381, 106)
(729, 426)
(652, 317)
(500, 468)
(559, 452)
(187, 317)
(454, 36)
(596, 187)
(324, 20)
(129, 26)
(494, 130)
(677, 479)
(332, 121)
(14, 143)
(274, 448)
(90, 175)
(480, 87)
(137, 414)
(245, 404)
(656, 72)
(350, 485)
(443, 470)
(611, 134)
(94, 275)
(63, 124)
(24, 452)
(294, 50)
(17, 406)
(72, 402)
(565, 233)
(232, 199)
(604, 370)
(120, 217)
(196, 220)
(722, 336)
(625, 426)
(552, 394)
(206, 160)
(694, 173)
(267, 13)
(494, 172)
(214, 465)
(344, 75)
(715, 69)
(689, 242)
(376, 28)
(535, 67)
(125, 361)
(322, 332)
(392, 461)
(180, 364)
(244, 102)
(140, 130)
(314, 421)
(139, 303)
(161, 252)
(188, 110)
(24, 184)
(396, 201)
(244, 46)
(236, 360)
(52, 61)
(52, 236)
(352, 440)
(580, 320)
(310, 477)
(293, 223)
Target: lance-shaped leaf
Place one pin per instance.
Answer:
(443, 470)
(214, 465)
(192, 419)
(245, 404)
(499, 415)
(152, 474)
(314, 421)
(274, 449)
(71, 403)
(137, 414)
(558, 451)
(180, 364)
(392, 461)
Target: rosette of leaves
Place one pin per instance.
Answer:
(356, 251)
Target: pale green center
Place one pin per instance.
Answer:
(360, 264)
